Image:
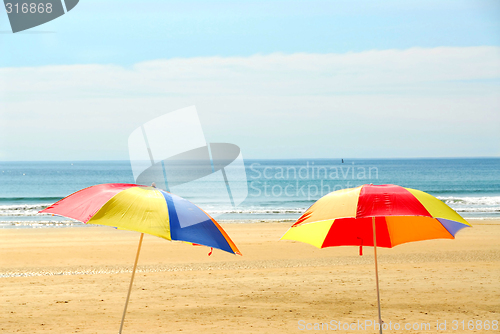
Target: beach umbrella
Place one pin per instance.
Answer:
(375, 215)
(147, 210)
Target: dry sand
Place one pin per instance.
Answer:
(74, 280)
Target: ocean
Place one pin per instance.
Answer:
(277, 189)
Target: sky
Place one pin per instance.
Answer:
(280, 79)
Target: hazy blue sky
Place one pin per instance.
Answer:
(281, 79)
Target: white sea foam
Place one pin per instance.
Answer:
(474, 206)
(469, 200)
(478, 210)
(21, 209)
(258, 211)
(39, 223)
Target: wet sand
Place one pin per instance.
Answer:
(74, 280)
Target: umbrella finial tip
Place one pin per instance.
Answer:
(153, 185)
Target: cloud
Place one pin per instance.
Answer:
(387, 71)
(275, 105)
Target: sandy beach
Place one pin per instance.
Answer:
(74, 280)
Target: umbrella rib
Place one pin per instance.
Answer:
(389, 234)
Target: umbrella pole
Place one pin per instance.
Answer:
(131, 282)
(376, 272)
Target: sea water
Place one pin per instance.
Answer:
(277, 189)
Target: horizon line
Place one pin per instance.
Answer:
(336, 158)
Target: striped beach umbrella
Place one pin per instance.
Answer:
(146, 210)
(378, 216)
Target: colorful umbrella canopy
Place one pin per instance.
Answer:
(147, 210)
(144, 209)
(375, 215)
(344, 218)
